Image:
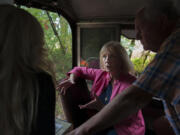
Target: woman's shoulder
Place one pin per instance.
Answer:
(101, 72)
(46, 84)
(44, 79)
(43, 73)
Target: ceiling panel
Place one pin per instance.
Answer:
(105, 8)
(90, 10)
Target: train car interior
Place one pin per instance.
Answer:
(93, 23)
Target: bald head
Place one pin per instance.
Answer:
(155, 8)
(155, 22)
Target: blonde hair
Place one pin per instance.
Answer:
(116, 48)
(22, 55)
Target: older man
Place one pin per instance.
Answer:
(158, 30)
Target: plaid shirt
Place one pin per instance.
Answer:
(162, 78)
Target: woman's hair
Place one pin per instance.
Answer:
(22, 56)
(116, 48)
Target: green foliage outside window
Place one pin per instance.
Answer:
(62, 61)
(139, 62)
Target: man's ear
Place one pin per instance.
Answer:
(164, 21)
(167, 25)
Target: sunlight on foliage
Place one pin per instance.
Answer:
(63, 63)
(139, 62)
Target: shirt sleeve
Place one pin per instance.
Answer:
(161, 77)
(86, 73)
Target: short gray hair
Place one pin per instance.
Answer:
(154, 8)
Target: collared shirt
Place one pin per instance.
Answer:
(134, 124)
(162, 78)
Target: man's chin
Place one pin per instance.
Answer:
(146, 48)
(150, 49)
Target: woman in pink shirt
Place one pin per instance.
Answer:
(113, 77)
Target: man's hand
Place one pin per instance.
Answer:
(95, 104)
(79, 131)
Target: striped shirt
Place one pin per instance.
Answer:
(162, 78)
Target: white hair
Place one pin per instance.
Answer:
(154, 8)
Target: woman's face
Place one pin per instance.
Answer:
(111, 62)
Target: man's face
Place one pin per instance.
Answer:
(149, 33)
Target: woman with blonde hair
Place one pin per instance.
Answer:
(109, 81)
(27, 94)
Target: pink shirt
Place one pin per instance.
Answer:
(134, 124)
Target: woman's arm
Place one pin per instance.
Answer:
(86, 73)
(74, 74)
